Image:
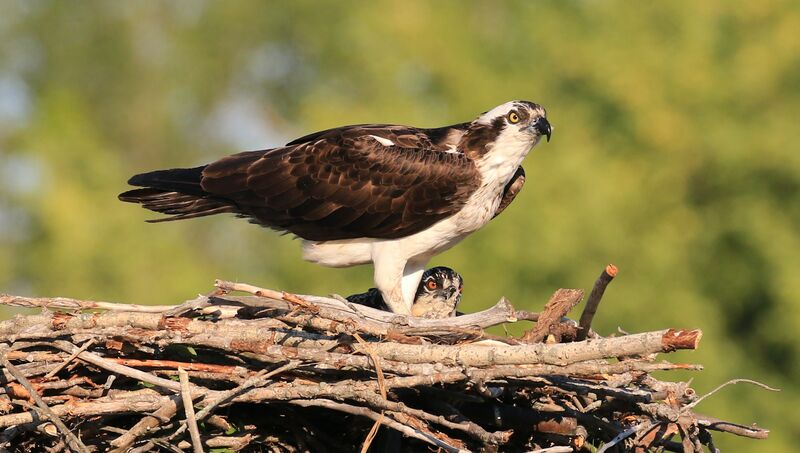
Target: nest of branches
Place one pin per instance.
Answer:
(278, 372)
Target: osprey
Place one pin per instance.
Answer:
(391, 195)
(437, 296)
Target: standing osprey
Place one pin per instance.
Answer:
(391, 195)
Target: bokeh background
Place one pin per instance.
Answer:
(674, 155)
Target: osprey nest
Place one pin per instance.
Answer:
(277, 372)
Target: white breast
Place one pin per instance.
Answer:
(496, 169)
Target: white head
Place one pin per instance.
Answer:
(522, 122)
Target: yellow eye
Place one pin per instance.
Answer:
(513, 118)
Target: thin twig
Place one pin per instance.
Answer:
(188, 408)
(725, 384)
(69, 359)
(593, 302)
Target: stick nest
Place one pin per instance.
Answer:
(278, 372)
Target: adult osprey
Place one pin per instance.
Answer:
(391, 195)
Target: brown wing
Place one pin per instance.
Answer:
(344, 183)
(511, 190)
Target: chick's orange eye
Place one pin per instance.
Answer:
(513, 117)
(431, 284)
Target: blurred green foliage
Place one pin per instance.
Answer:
(673, 154)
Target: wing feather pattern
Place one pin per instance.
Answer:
(336, 184)
(511, 190)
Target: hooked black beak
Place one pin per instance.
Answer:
(542, 126)
(450, 291)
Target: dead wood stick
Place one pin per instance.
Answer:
(243, 340)
(147, 423)
(268, 293)
(69, 359)
(65, 303)
(389, 422)
(188, 408)
(73, 441)
(556, 354)
(95, 359)
(188, 366)
(753, 432)
(593, 302)
(560, 303)
(35, 356)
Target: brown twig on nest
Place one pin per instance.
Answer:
(593, 302)
(188, 408)
(560, 303)
(270, 370)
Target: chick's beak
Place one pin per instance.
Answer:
(542, 126)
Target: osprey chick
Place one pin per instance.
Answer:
(437, 296)
(391, 195)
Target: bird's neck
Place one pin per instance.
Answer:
(502, 158)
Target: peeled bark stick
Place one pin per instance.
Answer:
(593, 302)
(560, 303)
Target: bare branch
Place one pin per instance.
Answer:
(589, 311)
(188, 408)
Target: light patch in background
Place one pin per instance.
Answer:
(20, 175)
(15, 102)
(244, 124)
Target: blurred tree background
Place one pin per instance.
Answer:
(673, 154)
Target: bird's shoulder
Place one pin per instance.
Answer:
(379, 181)
(361, 136)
